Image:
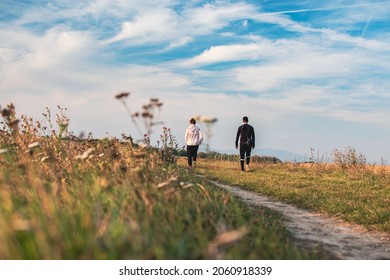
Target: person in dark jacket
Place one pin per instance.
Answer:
(246, 137)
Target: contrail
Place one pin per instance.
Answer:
(328, 9)
(366, 26)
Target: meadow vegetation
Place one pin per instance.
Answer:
(84, 198)
(348, 188)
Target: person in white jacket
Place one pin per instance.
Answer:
(193, 139)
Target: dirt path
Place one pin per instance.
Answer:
(345, 241)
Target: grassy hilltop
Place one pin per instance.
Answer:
(111, 199)
(71, 198)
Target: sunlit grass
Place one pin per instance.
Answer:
(132, 215)
(359, 195)
(112, 199)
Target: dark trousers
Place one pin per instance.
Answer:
(192, 152)
(245, 154)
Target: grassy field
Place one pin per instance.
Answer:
(128, 210)
(357, 194)
(112, 199)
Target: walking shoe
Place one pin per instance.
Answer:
(247, 167)
(194, 164)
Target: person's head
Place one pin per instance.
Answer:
(245, 119)
(192, 121)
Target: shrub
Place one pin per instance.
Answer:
(348, 158)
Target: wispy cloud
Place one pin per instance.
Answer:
(153, 26)
(331, 8)
(224, 53)
(161, 25)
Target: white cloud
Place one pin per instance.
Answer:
(152, 26)
(39, 63)
(331, 34)
(218, 15)
(275, 75)
(361, 42)
(160, 25)
(225, 53)
(283, 21)
(180, 42)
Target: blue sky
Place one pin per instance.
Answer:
(308, 74)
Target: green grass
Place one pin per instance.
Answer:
(357, 195)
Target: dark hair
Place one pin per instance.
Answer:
(192, 121)
(245, 119)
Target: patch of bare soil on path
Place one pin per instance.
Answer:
(344, 240)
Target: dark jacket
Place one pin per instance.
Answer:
(246, 134)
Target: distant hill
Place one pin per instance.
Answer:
(283, 155)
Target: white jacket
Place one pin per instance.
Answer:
(193, 136)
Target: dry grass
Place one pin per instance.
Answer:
(111, 199)
(358, 194)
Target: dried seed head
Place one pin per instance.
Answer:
(14, 122)
(147, 115)
(5, 113)
(122, 95)
(206, 119)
